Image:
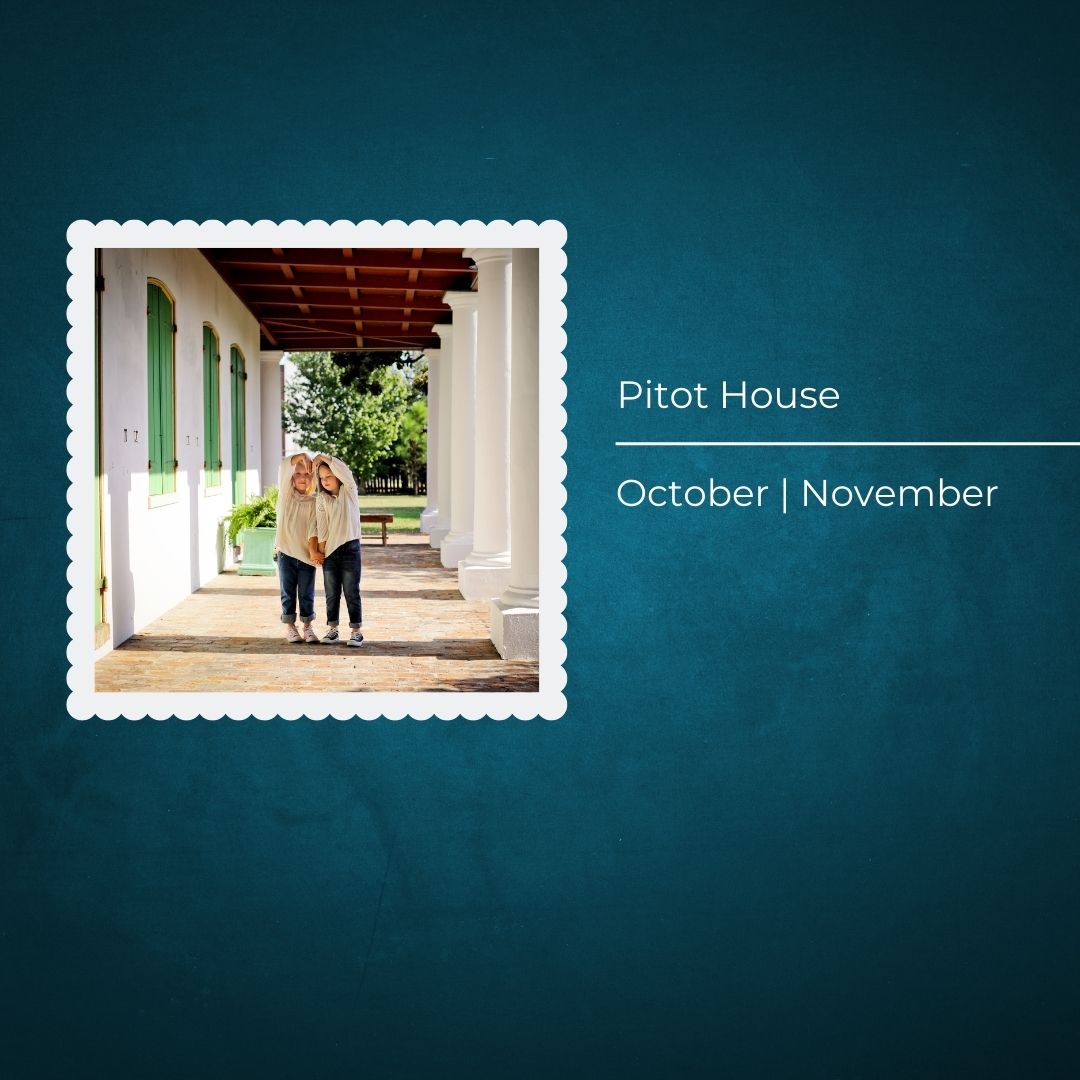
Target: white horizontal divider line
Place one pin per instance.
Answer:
(844, 443)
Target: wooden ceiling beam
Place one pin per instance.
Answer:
(300, 321)
(283, 333)
(360, 259)
(289, 332)
(350, 345)
(346, 303)
(368, 347)
(262, 279)
(289, 339)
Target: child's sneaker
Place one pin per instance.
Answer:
(310, 636)
(356, 638)
(331, 636)
(292, 635)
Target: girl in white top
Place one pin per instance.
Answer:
(295, 523)
(335, 544)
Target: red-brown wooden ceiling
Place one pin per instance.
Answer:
(384, 299)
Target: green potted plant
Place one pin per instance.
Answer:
(253, 526)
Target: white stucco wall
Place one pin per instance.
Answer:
(155, 555)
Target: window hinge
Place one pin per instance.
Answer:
(99, 282)
(103, 584)
(174, 328)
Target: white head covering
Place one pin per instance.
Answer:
(337, 516)
(295, 511)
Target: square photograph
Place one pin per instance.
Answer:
(316, 470)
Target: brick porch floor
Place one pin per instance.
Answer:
(419, 635)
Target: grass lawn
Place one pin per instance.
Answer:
(405, 508)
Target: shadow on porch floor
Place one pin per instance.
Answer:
(420, 635)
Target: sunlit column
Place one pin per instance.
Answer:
(440, 524)
(485, 571)
(515, 616)
(458, 541)
(271, 435)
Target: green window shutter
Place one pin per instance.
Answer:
(217, 413)
(207, 355)
(153, 371)
(238, 383)
(168, 391)
(215, 458)
(161, 411)
(211, 415)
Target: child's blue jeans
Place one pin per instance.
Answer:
(297, 581)
(341, 574)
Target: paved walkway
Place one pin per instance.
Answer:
(419, 635)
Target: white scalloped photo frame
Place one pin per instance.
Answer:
(85, 702)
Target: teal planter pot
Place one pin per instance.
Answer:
(258, 551)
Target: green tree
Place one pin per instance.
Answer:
(363, 368)
(420, 378)
(358, 424)
(411, 446)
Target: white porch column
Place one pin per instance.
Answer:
(440, 525)
(431, 508)
(288, 372)
(271, 435)
(515, 616)
(485, 571)
(459, 540)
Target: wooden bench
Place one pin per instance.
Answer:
(377, 519)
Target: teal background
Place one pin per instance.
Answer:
(813, 810)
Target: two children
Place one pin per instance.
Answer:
(318, 524)
(334, 544)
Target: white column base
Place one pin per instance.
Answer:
(428, 519)
(455, 547)
(483, 578)
(515, 631)
(438, 535)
